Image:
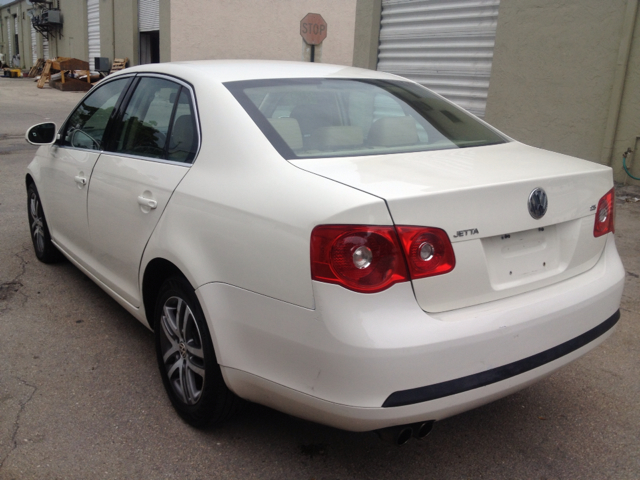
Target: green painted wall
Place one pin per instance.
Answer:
(553, 77)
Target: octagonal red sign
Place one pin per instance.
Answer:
(313, 28)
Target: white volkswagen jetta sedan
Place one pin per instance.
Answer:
(339, 244)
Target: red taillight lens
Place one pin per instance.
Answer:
(605, 214)
(365, 259)
(428, 251)
(370, 259)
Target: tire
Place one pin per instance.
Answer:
(188, 366)
(44, 249)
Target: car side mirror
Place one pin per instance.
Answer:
(42, 134)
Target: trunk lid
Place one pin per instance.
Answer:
(480, 197)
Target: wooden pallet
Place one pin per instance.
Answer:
(118, 64)
(46, 74)
(66, 63)
(36, 68)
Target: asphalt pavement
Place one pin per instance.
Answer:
(81, 398)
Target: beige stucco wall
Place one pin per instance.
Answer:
(208, 29)
(553, 71)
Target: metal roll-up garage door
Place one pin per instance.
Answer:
(93, 26)
(148, 15)
(17, 38)
(34, 45)
(9, 60)
(446, 45)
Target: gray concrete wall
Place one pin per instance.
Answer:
(367, 33)
(119, 36)
(127, 39)
(165, 30)
(207, 29)
(74, 41)
(24, 32)
(553, 72)
(26, 56)
(107, 29)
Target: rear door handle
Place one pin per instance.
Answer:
(80, 180)
(147, 202)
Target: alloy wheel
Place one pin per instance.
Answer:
(182, 352)
(37, 223)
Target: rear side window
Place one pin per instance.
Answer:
(183, 140)
(158, 122)
(87, 124)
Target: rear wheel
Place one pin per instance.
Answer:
(44, 249)
(187, 361)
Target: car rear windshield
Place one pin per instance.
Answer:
(310, 118)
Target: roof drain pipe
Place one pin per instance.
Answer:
(618, 81)
(401, 434)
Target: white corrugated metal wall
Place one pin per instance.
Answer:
(93, 27)
(45, 48)
(34, 45)
(16, 27)
(446, 45)
(10, 42)
(148, 15)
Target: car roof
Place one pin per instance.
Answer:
(237, 70)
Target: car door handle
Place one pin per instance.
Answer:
(80, 180)
(147, 202)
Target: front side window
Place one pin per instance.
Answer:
(87, 124)
(158, 122)
(308, 118)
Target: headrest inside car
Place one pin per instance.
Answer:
(393, 132)
(289, 130)
(328, 138)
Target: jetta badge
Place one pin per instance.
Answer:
(537, 203)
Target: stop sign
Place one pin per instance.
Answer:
(313, 28)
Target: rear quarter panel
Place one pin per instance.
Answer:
(243, 215)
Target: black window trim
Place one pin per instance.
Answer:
(124, 106)
(111, 120)
(121, 107)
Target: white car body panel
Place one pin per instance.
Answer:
(65, 195)
(338, 363)
(269, 222)
(237, 224)
(122, 190)
(477, 196)
(470, 183)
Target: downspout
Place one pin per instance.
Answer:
(618, 81)
(113, 29)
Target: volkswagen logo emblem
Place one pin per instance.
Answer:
(537, 203)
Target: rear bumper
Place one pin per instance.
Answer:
(499, 374)
(363, 362)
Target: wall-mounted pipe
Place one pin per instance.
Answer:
(627, 163)
(618, 81)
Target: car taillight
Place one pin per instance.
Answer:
(369, 259)
(428, 250)
(365, 259)
(605, 214)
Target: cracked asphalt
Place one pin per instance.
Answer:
(80, 397)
